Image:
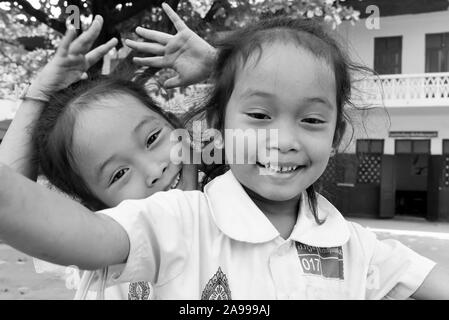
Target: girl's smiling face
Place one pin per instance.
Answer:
(291, 90)
(122, 151)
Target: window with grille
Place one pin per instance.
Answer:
(388, 55)
(369, 154)
(437, 52)
(412, 146)
(370, 146)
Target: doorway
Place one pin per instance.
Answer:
(411, 173)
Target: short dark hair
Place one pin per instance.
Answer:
(53, 131)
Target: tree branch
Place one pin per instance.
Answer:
(77, 3)
(217, 5)
(39, 15)
(129, 12)
(12, 43)
(6, 56)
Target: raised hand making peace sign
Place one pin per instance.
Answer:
(187, 53)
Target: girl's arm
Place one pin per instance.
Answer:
(54, 228)
(435, 286)
(187, 53)
(70, 63)
(16, 148)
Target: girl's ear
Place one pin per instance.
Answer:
(339, 132)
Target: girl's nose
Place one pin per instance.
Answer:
(154, 172)
(287, 140)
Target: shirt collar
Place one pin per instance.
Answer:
(237, 216)
(333, 232)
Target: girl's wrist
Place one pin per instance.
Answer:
(36, 92)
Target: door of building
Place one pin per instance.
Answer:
(411, 165)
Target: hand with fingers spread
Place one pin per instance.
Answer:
(72, 59)
(187, 53)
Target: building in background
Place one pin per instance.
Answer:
(398, 160)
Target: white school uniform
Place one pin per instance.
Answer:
(74, 281)
(219, 245)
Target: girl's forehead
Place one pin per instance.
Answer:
(287, 66)
(279, 51)
(115, 106)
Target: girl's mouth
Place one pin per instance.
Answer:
(279, 169)
(176, 180)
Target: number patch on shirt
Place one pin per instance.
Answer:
(325, 262)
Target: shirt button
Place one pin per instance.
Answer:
(115, 276)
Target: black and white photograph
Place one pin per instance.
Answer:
(252, 151)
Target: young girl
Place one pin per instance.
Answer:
(68, 141)
(257, 232)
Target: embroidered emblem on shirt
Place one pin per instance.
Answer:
(325, 262)
(139, 291)
(217, 288)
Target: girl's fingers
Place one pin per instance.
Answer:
(83, 43)
(173, 16)
(152, 48)
(99, 52)
(155, 62)
(173, 82)
(64, 45)
(154, 36)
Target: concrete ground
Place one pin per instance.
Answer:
(430, 239)
(18, 279)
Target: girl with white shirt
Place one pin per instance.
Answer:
(259, 231)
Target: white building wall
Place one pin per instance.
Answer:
(376, 123)
(412, 28)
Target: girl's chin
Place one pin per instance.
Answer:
(271, 194)
(281, 197)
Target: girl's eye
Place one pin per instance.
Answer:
(152, 138)
(258, 115)
(313, 121)
(118, 175)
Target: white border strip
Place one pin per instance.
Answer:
(438, 235)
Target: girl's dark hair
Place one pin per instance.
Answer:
(53, 131)
(236, 49)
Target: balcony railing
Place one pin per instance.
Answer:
(404, 90)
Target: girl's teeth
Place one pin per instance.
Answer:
(175, 183)
(279, 169)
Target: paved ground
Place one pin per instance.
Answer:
(18, 280)
(430, 239)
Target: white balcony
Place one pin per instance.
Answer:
(404, 90)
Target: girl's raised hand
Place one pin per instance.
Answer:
(72, 59)
(187, 53)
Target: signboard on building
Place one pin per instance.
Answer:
(413, 134)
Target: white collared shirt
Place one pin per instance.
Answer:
(88, 290)
(219, 245)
